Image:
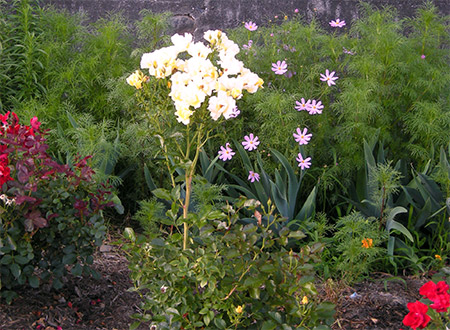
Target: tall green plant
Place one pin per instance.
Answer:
(22, 57)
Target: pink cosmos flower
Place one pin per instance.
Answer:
(337, 23)
(346, 51)
(251, 26)
(289, 74)
(301, 137)
(235, 112)
(303, 163)
(423, 57)
(296, 10)
(251, 142)
(226, 153)
(252, 176)
(249, 45)
(302, 105)
(279, 67)
(315, 107)
(328, 77)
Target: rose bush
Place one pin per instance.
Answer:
(50, 214)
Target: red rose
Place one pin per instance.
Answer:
(438, 294)
(431, 290)
(441, 302)
(417, 316)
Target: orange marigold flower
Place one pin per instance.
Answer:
(438, 257)
(367, 243)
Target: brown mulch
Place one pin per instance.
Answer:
(86, 303)
(378, 304)
(83, 303)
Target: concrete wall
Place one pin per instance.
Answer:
(196, 16)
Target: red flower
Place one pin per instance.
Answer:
(417, 316)
(438, 294)
(4, 118)
(5, 172)
(441, 303)
(431, 290)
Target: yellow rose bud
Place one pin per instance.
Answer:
(239, 309)
(135, 79)
(236, 92)
(304, 300)
(260, 82)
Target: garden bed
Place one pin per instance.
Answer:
(86, 303)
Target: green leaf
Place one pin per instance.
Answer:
(129, 234)
(21, 260)
(148, 179)
(157, 242)
(206, 319)
(34, 281)
(162, 194)
(269, 325)
(6, 260)
(294, 184)
(219, 323)
(308, 207)
(15, 270)
(297, 234)
(69, 259)
(392, 224)
(398, 226)
(72, 120)
(118, 204)
(268, 268)
(135, 325)
(77, 270)
(276, 317)
(172, 310)
(280, 201)
(255, 292)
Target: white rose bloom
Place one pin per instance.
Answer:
(232, 85)
(229, 48)
(251, 81)
(213, 36)
(183, 112)
(182, 43)
(180, 79)
(199, 49)
(204, 84)
(230, 64)
(198, 66)
(161, 62)
(222, 104)
(180, 64)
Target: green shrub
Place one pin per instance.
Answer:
(232, 275)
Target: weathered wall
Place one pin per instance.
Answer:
(196, 16)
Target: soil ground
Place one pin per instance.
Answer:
(106, 304)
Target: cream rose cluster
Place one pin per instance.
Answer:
(194, 77)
